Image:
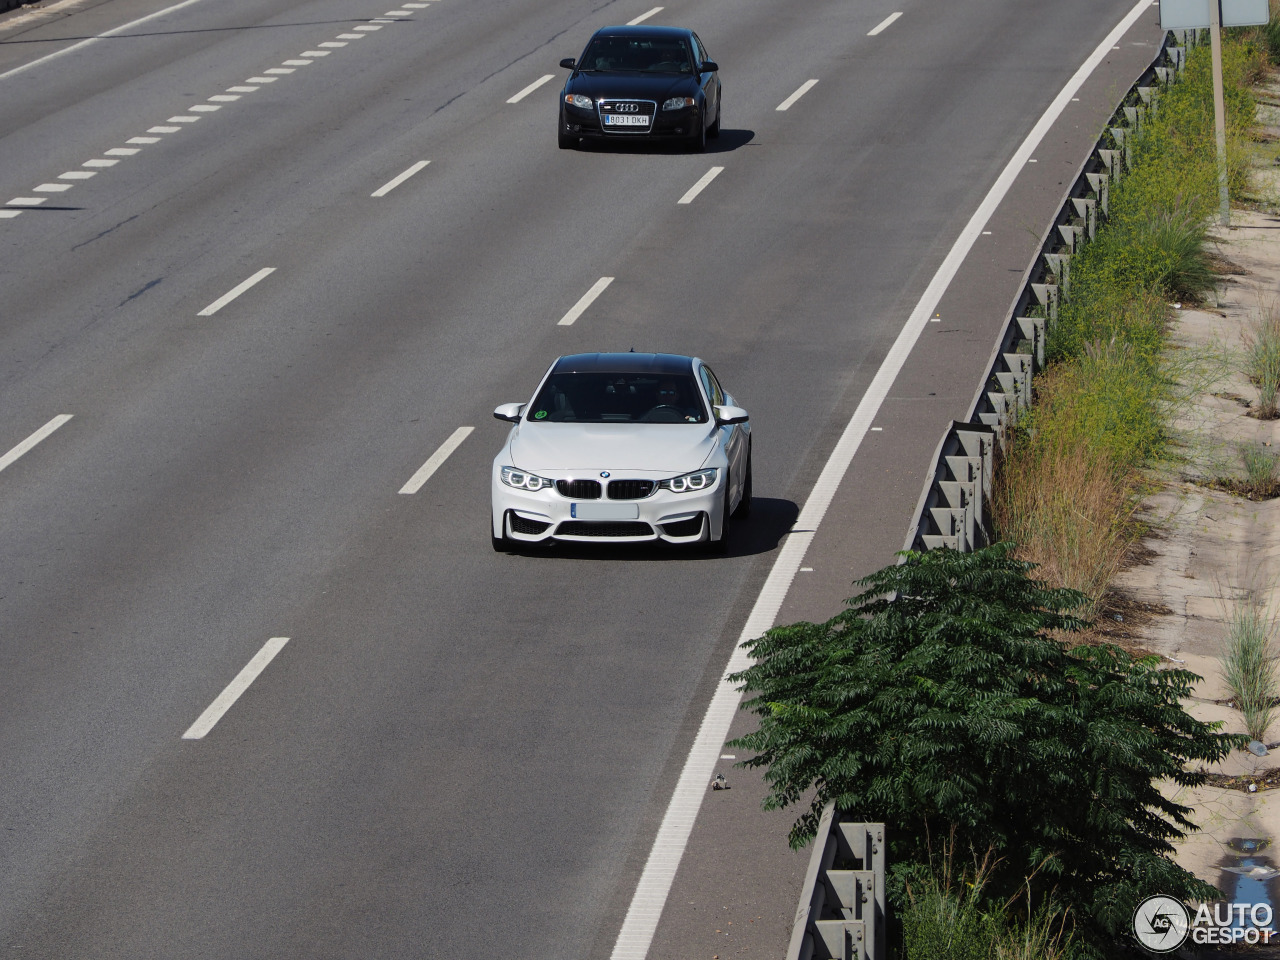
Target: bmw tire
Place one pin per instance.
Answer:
(744, 505)
(721, 546)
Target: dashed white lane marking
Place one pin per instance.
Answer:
(279, 70)
(9, 214)
(32, 440)
(183, 119)
(698, 187)
(159, 129)
(399, 13)
(580, 307)
(298, 63)
(143, 140)
(204, 107)
(266, 79)
(804, 88)
(52, 187)
(235, 291)
(77, 174)
(224, 701)
(531, 87)
(225, 97)
(351, 36)
(120, 151)
(659, 872)
(436, 459)
(242, 89)
(369, 27)
(394, 182)
(27, 201)
(883, 24)
(877, 429)
(314, 53)
(99, 163)
(644, 16)
(102, 36)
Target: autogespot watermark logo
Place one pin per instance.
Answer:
(1163, 924)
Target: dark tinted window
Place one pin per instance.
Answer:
(618, 398)
(628, 54)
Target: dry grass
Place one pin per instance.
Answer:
(1262, 357)
(1069, 509)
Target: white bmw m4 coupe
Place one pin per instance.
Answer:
(622, 448)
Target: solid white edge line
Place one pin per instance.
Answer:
(580, 307)
(436, 459)
(698, 187)
(224, 701)
(391, 184)
(531, 87)
(659, 872)
(884, 24)
(804, 88)
(101, 36)
(644, 16)
(235, 291)
(34, 439)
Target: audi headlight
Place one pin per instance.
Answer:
(689, 482)
(578, 100)
(678, 103)
(524, 481)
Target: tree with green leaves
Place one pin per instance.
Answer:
(940, 701)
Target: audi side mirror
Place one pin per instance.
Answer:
(708, 66)
(569, 62)
(727, 416)
(509, 411)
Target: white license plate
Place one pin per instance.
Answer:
(604, 511)
(625, 120)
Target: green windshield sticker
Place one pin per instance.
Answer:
(540, 414)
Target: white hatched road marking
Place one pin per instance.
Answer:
(531, 87)
(804, 88)
(698, 187)
(644, 16)
(436, 460)
(235, 291)
(580, 307)
(224, 701)
(659, 871)
(34, 439)
(391, 184)
(884, 24)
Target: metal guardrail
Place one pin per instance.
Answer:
(952, 508)
(841, 915)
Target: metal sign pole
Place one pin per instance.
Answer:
(1219, 110)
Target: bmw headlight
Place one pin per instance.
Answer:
(678, 103)
(524, 481)
(689, 482)
(578, 100)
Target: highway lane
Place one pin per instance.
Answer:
(454, 749)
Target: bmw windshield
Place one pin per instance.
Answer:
(599, 397)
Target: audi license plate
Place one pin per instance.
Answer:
(604, 511)
(625, 120)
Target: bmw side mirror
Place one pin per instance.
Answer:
(509, 411)
(727, 416)
(569, 62)
(708, 66)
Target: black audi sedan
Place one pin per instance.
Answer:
(643, 83)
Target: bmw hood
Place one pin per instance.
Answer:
(660, 447)
(653, 87)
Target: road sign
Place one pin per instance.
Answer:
(1198, 14)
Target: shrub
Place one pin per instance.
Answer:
(937, 700)
(1262, 358)
(1249, 667)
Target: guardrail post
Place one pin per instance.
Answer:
(1059, 265)
(1087, 210)
(841, 915)
(1111, 160)
(1101, 189)
(1046, 295)
(1033, 330)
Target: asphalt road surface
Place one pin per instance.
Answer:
(456, 753)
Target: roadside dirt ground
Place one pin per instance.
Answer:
(1210, 549)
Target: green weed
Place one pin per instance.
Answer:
(1250, 667)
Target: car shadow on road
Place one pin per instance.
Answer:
(727, 142)
(770, 521)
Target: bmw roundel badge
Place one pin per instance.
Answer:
(605, 474)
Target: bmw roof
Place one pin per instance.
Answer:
(657, 363)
